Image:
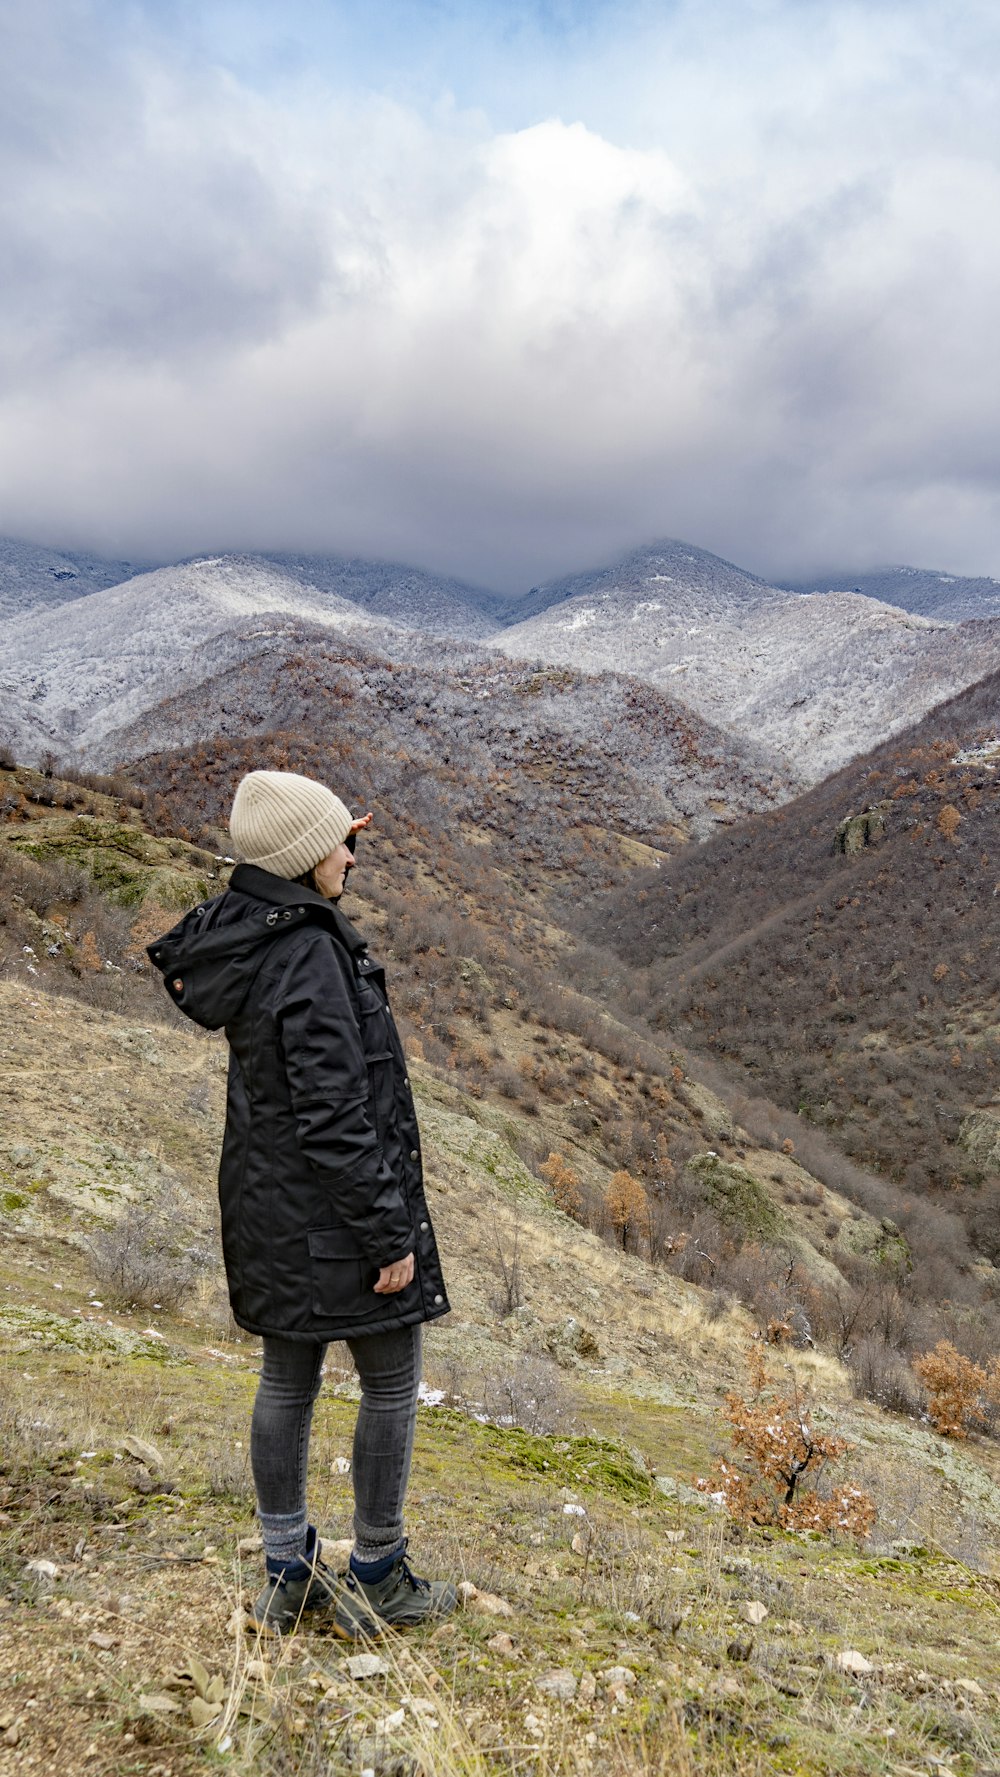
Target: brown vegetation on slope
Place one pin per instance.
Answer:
(510, 1009)
(859, 988)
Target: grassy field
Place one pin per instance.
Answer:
(611, 1629)
(616, 1621)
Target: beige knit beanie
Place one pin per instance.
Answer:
(285, 823)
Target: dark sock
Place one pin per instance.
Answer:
(373, 1571)
(287, 1570)
(302, 1567)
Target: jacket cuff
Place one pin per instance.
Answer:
(391, 1255)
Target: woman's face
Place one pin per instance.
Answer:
(330, 873)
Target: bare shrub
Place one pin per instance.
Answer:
(136, 1262)
(881, 1374)
(507, 1263)
(529, 1392)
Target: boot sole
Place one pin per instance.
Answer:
(308, 1620)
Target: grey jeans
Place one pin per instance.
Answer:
(388, 1365)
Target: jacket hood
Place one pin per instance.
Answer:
(209, 960)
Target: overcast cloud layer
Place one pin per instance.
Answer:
(503, 292)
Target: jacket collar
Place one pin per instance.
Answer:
(260, 885)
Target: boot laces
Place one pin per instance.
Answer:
(414, 1579)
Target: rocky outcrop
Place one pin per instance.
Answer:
(980, 1137)
(858, 830)
(879, 1241)
(734, 1195)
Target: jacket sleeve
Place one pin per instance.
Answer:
(319, 1037)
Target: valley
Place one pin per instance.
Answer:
(705, 1037)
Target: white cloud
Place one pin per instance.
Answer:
(295, 319)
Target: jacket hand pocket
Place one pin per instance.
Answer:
(342, 1278)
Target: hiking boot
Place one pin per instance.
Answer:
(302, 1591)
(399, 1600)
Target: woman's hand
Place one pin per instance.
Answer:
(393, 1278)
(361, 825)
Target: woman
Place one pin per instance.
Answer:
(325, 1226)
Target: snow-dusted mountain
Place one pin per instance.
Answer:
(819, 678)
(32, 578)
(407, 596)
(68, 677)
(952, 598)
(710, 585)
(810, 678)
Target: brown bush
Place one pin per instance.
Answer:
(780, 1460)
(563, 1183)
(628, 1208)
(960, 1392)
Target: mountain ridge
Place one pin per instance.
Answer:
(927, 592)
(814, 678)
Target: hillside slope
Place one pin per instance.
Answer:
(71, 676)
(557, 1445)
(542, 757)
(843, 949)
(714, 586)
(435, 603)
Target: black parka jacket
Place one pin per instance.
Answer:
(320, 1180)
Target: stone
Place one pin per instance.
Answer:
(159, 1703)
(586, 1690)
(43, 1570)
(560, 1683)
(142, 1451)
(361, 1666)
(618, 1675)
(849, 1660)
(336, 1553)
(501, 1642)
(754, 1612)
(970, 1688)
(735, 1196)
(390, 1724)
(488, 1604)
(858, 830)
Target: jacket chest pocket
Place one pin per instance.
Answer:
(374, 1019)
(342, 1279)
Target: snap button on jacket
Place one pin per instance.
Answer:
(320, 1179)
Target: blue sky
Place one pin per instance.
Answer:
(503, 289)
